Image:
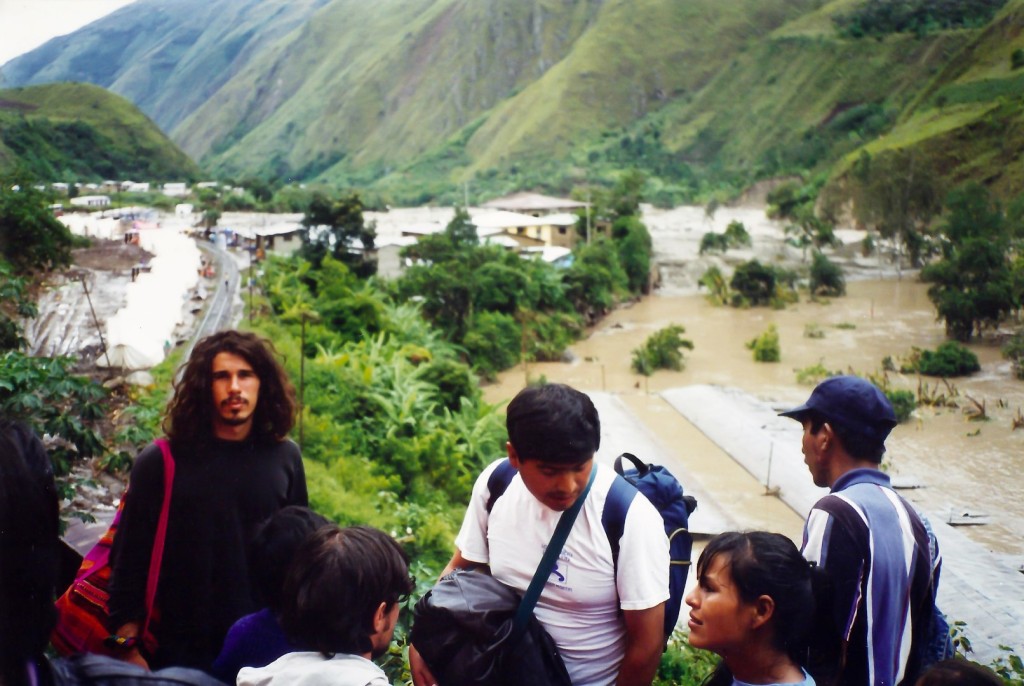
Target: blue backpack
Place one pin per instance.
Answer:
(663, 491)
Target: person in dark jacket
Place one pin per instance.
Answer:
(29, 562)
(257, 639)
(227, 423)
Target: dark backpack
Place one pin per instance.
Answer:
(663, 491)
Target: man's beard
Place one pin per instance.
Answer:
(235, 421)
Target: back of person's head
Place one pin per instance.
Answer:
(274, 547)
(29, 557)
(336, 584)
(763, 563)
(958, 672)
(553, 423)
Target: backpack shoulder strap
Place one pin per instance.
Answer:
(613, 516)
(498, 481)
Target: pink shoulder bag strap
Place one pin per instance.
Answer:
(161, 532)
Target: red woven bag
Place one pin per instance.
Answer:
(83, 612)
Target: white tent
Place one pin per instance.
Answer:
(138, 334)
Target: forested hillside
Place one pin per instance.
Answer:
(415, 97)
(79, 132)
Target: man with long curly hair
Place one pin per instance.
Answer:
(227, 423)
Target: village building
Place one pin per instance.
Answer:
(556, 217)
(175, 190)
(282, 239)
(91, 201)
(547, 237)
(535, 204)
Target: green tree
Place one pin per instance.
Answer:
(626, 195)
(810, 231)
(898, 194)
(787, 198)
(15, 304)
(31, 238)
(753, 284)
(500, 287)
(337, 228)
(493, 342)
(713, 242)
(461, 231)
(718, 287)
(661, 350)
(634, 245)
(736, 235)
(826, 277)
(595, 280)
(974, 285)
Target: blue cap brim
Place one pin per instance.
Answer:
(797, 412)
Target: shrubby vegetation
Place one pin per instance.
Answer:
(684, 665)
(42, 392)
(903, 403)
(826, 277)
(948, 359)
(766, 346)
(717, 285)
(661, 350)
(754, 285)
(735, 236)
(921, 17)
(393, 428)
(1013, 350)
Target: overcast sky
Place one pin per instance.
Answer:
(27, 24)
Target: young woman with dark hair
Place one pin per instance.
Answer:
(752, 605)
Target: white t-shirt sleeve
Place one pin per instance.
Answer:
(643, 566)
(472, 538)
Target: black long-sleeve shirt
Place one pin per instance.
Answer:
(222, 491)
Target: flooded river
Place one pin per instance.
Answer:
(961, 464)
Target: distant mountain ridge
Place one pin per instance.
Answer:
(80, 132)
(421, 95)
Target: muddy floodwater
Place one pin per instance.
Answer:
(961, 465)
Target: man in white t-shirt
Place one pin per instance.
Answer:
(608, 624)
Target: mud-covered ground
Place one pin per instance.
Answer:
(66, 324)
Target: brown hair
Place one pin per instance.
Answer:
(190, 411)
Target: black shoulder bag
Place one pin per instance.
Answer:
(473, 630)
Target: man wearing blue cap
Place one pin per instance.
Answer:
(875, 618)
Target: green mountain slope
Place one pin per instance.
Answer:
(82, 132)
(415, 97)
(401, 76)
(166, 56)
